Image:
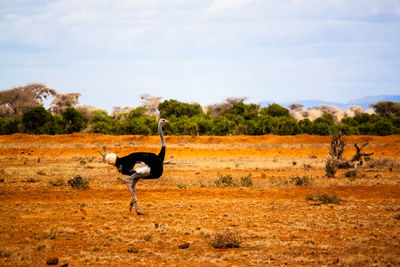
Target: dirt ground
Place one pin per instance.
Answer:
(272, 220)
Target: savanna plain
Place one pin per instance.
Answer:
(222, 201)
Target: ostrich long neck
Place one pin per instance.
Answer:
(162, 152)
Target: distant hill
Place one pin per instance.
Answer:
(363, 102)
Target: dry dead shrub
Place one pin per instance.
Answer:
(227, 239)
(330, 167)
(323, 198)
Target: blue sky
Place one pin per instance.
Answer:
(202, 51)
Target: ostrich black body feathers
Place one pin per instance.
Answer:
(155, 162)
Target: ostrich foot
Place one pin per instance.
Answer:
(138, 211)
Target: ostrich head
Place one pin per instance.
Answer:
(162, 121)
(111, 158)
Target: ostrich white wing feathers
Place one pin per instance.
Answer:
(143, 170)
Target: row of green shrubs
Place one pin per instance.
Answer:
(189, 119)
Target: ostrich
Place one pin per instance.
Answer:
(153, 170)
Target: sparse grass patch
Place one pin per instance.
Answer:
(380, 162)
(352, 174)
(307, 166)
(224, 180)
(181, 186)
(300, 181)
(79, 183)
(147, 237)
(246, 181)
(133, 249)
(323, 198)
(227, 239)
(51, 235)
(5, 254)
(40, 172)
(57, 182)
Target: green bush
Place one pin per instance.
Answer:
(102, 123)
(79, 183)
(224, 180)
(286, 126)
(306, 126)
(38, 121)
(73, 120)
(349, 121)
(275, 110)
(383, 127)
(10, 126)
(223, 126)
(321, 128)
(246, 181)
(175, 108)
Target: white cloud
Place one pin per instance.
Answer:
(213, 48)
(221, 6)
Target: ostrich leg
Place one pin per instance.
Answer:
(135, 178)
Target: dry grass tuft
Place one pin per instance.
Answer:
(246, 181)
(57, 182)
(224, 180)
(323, 198)
(227, 239)
(352, 174)
(301, 181)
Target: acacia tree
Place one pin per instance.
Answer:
(387, 108)
(62, 102)
(17, 101)
(296, 107)
(151, 103)
(219, 109)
